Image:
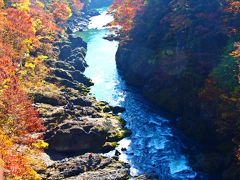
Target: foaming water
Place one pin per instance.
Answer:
(154, 145)
(98, 22)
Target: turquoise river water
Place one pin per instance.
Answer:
(154, 146)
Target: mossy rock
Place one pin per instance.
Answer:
(101, 103)
(83, 89)
(122, 134)
(107, 109)
(121, 120)
(109, 146)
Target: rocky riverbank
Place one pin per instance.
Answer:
(76, 122)
(87, 166)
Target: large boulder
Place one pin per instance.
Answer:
(64, 65)
(82, 101)
(117, 109)
(79, 52)
(79, 64)
(81, 135)
(77, 42)
(80, 77)
(88, 166)
(76, 59)
(63, 74)
(65, 82)
(48, 98)
(65, 52)
(75, 139)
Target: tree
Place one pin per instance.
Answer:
(61, 11)
(125, 12)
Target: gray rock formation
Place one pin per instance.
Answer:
(75, 122)
(89, 167)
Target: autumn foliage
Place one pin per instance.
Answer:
(60, 10)
(188, 51)
(23, 26)
(125, 12)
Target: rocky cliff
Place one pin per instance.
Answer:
(174, 54)
(75, 122)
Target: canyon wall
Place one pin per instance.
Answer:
(178, 54)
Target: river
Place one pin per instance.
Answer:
(154, 146)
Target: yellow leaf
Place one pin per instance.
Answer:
(30, 65)
(40, 144)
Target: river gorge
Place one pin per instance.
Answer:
(154, 146)
(120, 89)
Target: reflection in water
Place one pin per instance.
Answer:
(154, 145)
